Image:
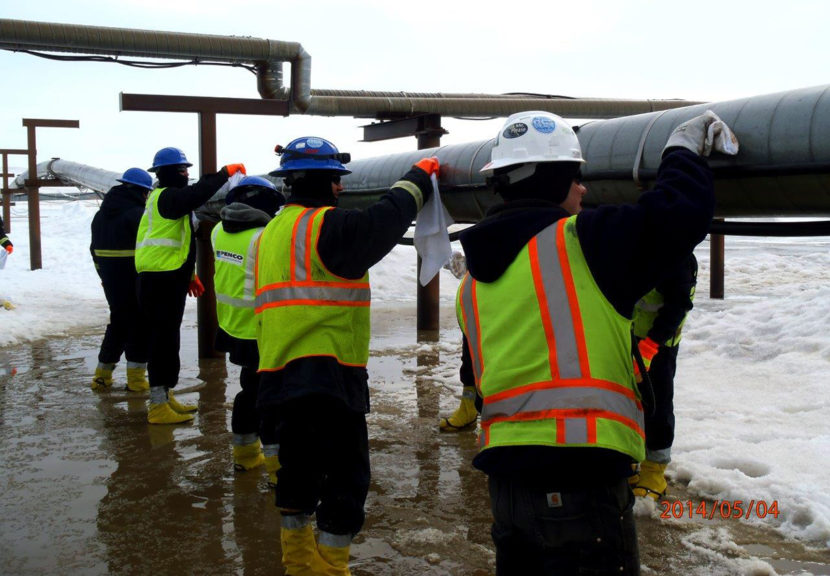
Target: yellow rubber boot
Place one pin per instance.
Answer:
(103, 377)
(178, 406)
(464, 416)
(164, 414)
(652, 480)
(247, 456)
(299, 549)
(334, 554)
(137, 377)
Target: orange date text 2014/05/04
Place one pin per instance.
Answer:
(722, 509)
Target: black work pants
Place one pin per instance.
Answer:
(124, 333)
(161, 297)
(557, 533)
(324, 453)
(244, 417)
(660, 424)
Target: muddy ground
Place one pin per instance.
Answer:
(87, 487)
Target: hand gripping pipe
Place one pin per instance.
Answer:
(782, 169)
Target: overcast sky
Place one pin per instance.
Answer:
(705, 50)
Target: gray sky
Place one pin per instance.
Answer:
(702, 50)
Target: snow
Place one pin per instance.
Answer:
(752, 393)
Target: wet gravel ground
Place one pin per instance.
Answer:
(87, 487)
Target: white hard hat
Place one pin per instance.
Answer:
(530, 137)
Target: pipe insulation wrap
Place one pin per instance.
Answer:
(783, 167)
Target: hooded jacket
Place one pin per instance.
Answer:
(115, 225)
(628, 249)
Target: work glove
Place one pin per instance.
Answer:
(429, 165)
(648, 350)
(196, 288)
(9, 248)
(702, 134)
(232, 169)
(457, 265)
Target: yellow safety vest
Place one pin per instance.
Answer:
(234, 257)
(551, 356)
(161, 244)
(645, 313)
(303, 310)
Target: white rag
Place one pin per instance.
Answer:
(3, 255)
(720, 138)
(432, 241)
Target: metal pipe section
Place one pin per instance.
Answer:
(81, 175)
(477, 105)
(783, 168)
(265, 55)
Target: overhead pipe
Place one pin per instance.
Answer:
(783, 168)
(267, 56)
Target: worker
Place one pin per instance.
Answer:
(658, 322)
(165, 259)
(114, 228)
(7, 248)
(545, 312)
(312, 298)
(250, 205)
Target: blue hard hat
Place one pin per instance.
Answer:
(256, 192)
(310, 153)
(138, 177)
(169, 157)
(250, 186)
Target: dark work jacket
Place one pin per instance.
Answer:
(173, 203)
(351, 241)
(4, 240)
(115, 226)
(628, 249)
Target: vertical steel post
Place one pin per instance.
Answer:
(716, 263)
(207, 320)
(33, 198)
(428, 296)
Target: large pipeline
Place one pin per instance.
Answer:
(783, 168)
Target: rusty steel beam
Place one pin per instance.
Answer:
(202, 104)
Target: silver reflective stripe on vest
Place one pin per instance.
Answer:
(159, 242)
(559, 311)
(566, 397)
(300, 273)
(319, 294)
(237, 302)
(645, 306)
(471, 323)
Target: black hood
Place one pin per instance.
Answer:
(491, 245)
(121, 198)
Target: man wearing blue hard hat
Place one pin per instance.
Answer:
(312, 306)
(249, 206)
(114, 228)
(165, 258)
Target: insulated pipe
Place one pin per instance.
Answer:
(783, 168)
(81, 175)
(266, 55)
